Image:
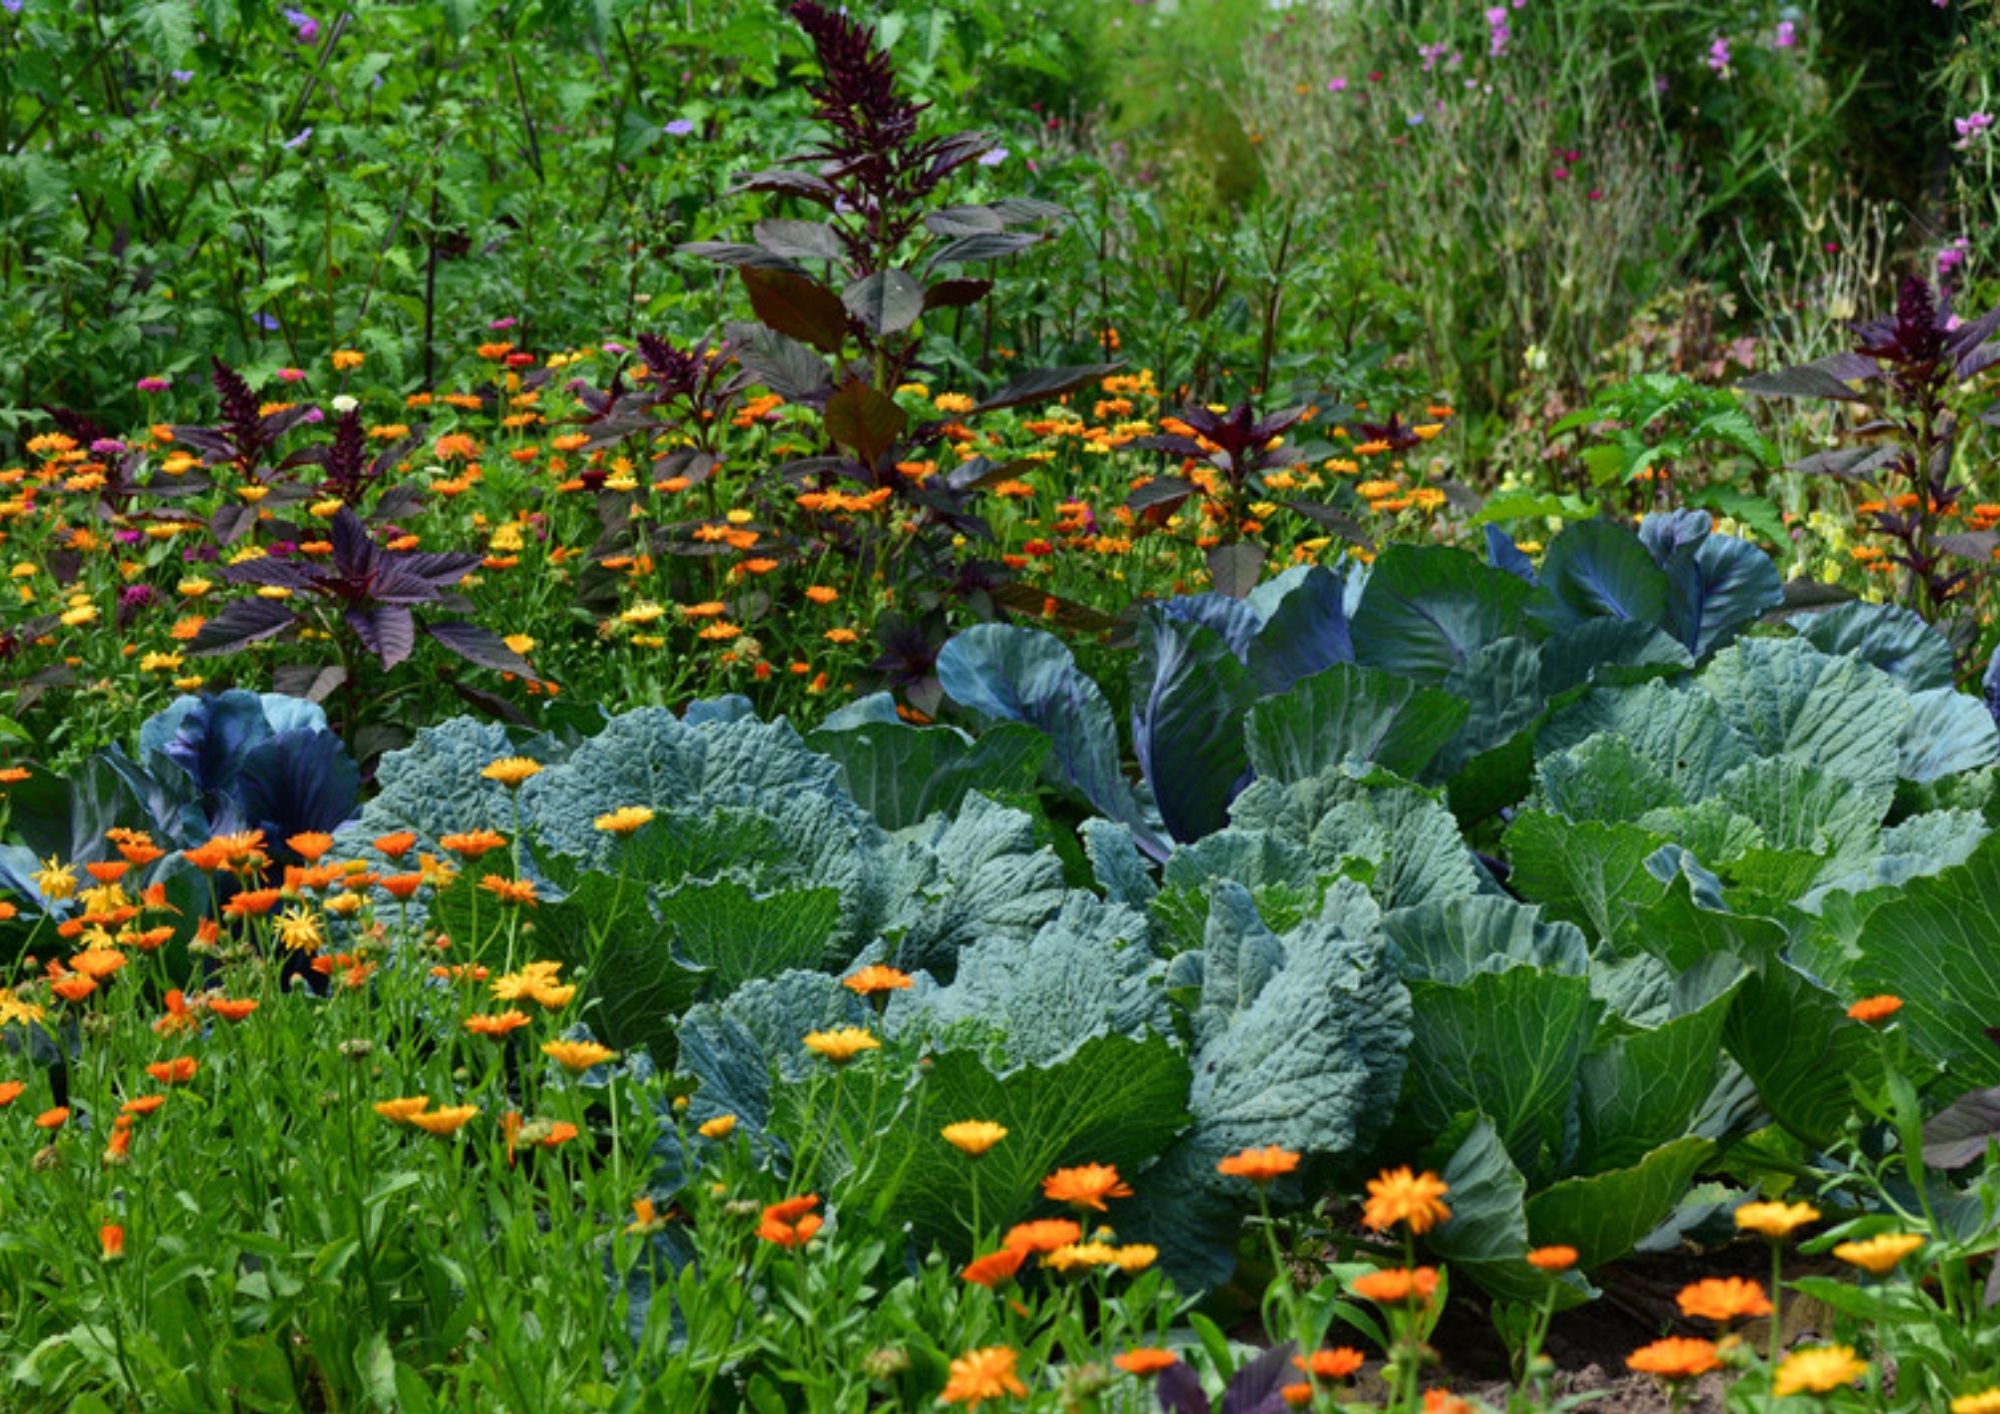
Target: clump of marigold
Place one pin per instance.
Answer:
(1396, 1286)
(1775, 1220)
(1881, 1254)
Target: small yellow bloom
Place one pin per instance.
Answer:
(721, 1127)
(973, 1137)
(511, 771)
(56, 880)
(624, 820)
(1080, 1256)
(1880, 1254)
(841, 1045)
(448, 1120)
(578, 1056)
(403, 1110)
(1985, 1401)
(1819, 1369)
(1775, 1220)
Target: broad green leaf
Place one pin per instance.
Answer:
(1604, 1216)
(1590, 873)
(1506, 1043)
(1189, 694)
(1643, 1087)
(1486, 1237)
(901, 773)
(1793, 1039)
(1602, 778)
(1427, 608)
(1451, 940)
(1789, 699)
(1938, 948)
(1350, 713)
(1888, 636)
(732, 933)
(1948, 734)
(1595, 569)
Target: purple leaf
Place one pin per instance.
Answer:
(241, 623)
(479, 646)
(386, 630)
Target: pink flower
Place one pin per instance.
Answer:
(1718, 55)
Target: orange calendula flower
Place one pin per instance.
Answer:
(645, 1218)
(841, 1045)
(981, 1375)
(10, 1091)
(52, 1118)
(1775, 1220)
(1881, 1254)
(142, 1104)
(73, 987)
(232, 1008)
(790, 1223)
(973, 1137)
(404, 1110)
(877, 978)
(111, 1242)
(397, 845)
(252, 903)
(1400, 1196)
(98, 962)
(310, 846)
(177, 1071)
(180, 1016)
(1335, 1364)
(995, 1267)
(1675, 1358)
(1552, 1259)
(1392, 1286)
(1144, 1360)
(496, 1024)
(721, 1127)
(577, 1056)
(1085, 1186)
(1043, 1234)
(1260, 1166)
(1870, 1010)
(473, 843)
(448, 1120)
(1723, 1299)
(1296, 1395)
(514, 891)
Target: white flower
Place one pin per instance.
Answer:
(346, 403)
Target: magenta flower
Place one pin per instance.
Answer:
(1788, 34)
(1971, 126)
(1718, 55)
(156, 384)
(1336, 85)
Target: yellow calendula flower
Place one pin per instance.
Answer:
(624, 820)
(1775, 1220)
(298, 928)
(57, 881)
(1879, 1255)
(841, 1045)
(973, 1137)
(511, 770)
(721, 1127)
(1820, 1369)
(1985, 1401)
(578, 1056)
(1081, 1256)
(520, 643)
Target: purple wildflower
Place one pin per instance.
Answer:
(305, 29)
(680, 127)
(293, 144)
(1788, 34)
(107, 447)
(182, 76)
(1431, 53)
(993, 157)
(1718, 55)
(1498, 32)
(157, 384)
(1336, 85)
(1971, 126)
(505, 322)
